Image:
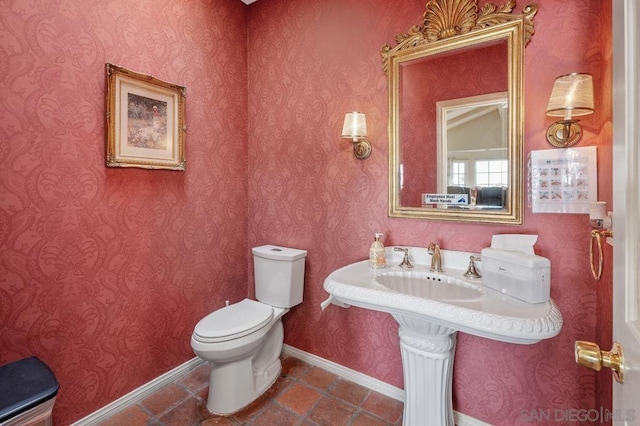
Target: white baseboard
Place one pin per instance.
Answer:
(346, 373)
(169, 377)
(368, 381)
(139, 394)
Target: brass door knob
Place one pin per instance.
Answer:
(589, 355)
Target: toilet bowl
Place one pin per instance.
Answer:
(243, 341)
(245, 353)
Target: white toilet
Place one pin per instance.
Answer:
(243, 341)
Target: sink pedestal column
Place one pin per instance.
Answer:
(427, 364)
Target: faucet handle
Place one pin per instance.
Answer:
(406, 263)
(472, 271)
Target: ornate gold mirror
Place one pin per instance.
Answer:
(456, 120)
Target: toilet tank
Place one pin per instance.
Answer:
(279, 275)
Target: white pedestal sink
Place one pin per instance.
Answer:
(431, 308)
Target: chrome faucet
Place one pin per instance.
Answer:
(436, 258)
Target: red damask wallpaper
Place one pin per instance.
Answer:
(310, 61)
(104, 272)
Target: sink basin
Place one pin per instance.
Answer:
(429, 285)
(431, 308)
(448, 299)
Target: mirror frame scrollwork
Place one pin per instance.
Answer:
(457, 24)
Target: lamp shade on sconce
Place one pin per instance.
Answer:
(355, 125)
(355, 128)
(572, 95)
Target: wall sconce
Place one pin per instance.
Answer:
(572, 95)
(355, 128)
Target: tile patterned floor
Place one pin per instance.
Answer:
(302, 395)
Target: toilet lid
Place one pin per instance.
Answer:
(233, 321)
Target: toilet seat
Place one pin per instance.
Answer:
(233, 321)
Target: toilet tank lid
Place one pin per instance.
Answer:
(278, 253)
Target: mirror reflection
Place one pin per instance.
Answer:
(439, 88)
(472, 150)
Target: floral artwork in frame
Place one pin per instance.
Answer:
(145, 121)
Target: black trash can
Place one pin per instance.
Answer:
(28, 391)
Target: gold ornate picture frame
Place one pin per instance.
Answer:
(145, 121)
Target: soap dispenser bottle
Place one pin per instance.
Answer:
(377, 257)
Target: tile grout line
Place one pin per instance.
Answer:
(326, 393)
(156, 417)
(145, 410)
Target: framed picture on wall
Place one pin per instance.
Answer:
(145, 121)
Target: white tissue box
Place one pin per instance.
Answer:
(523, 276)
